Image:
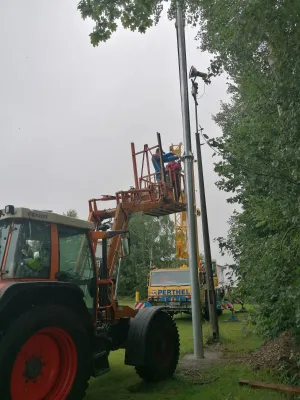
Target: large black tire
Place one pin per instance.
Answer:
(29, 324)
(162, 349)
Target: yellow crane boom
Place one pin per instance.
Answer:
(181, 239)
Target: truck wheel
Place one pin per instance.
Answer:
(45, 354)
(162, 349)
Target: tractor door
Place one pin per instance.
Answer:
(77, 262)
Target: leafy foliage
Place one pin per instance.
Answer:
(136, 15)
(152, 243)
(257, 44)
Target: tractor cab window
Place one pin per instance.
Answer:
(29, 253)
(76, 261)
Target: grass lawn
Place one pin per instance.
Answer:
(216, 383)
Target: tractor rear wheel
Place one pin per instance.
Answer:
(162, 349)
(45, 354)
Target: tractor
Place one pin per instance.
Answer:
(58, 320)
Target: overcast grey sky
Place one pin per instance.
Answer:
(69, 111)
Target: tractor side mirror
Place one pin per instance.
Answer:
(125, 245)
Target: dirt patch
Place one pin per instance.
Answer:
(189, 362)
(278, 353)
(191, 368)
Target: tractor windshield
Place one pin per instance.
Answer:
(29, 252)
(4, 230)
(170, 278)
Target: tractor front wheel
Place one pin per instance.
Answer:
(161, 349)
(45, 354)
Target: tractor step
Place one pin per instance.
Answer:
(100, 363)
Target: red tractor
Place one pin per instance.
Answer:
(59, 317)
(57, 321)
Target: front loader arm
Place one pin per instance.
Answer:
(121, 221)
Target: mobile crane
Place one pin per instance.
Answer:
(59, 319)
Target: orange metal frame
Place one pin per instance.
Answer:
(148, 197)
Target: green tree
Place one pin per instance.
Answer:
(258, 46)
(136, 15)
(71, 213)
(152, 243)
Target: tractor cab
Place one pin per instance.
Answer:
(43, 246)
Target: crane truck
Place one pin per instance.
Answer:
(59, 319)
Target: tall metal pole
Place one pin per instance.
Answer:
(189, 188)
(211, 295)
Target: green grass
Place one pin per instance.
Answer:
(217, 383)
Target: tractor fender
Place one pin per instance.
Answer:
(18, 297)
(137, 335)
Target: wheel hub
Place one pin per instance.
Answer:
(33, 368)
